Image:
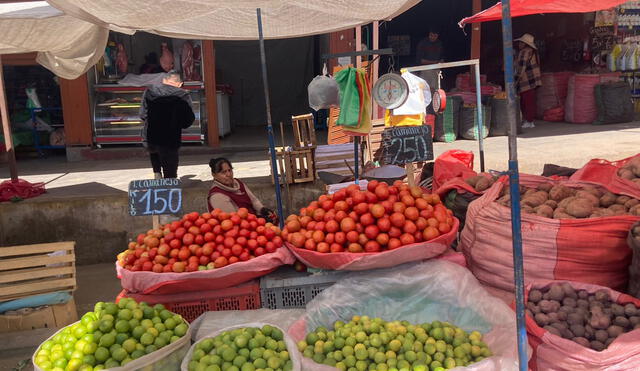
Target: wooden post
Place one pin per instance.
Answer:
(358, 46)
(6, 128)
(209, 78)
(475, 34)
(376, 66)
(74, 97)
(410, 174)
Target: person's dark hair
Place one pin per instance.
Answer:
(216, 164)
(173, 76)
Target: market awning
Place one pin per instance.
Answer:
(66, 45)
(528, 7)
(232, 19)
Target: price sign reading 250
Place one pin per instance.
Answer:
(155, 197)
(404, 145)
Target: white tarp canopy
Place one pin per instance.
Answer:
(232, 19)
(70, 35)
(66, 45)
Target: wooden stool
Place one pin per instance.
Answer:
(304, 132)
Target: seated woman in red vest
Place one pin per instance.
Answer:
(229, 194)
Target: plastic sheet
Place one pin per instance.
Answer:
(423, 292)
(363, 261)
(166, 358)
(210, 322)
(231, 275)
(294, 355)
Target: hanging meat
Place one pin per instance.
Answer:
(166, 59)
(187, 61)
(122, 62)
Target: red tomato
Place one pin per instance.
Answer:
(204, 260)
(259, 251)
(180, 233)
(220, 262)
(188, 239)
(236, 250)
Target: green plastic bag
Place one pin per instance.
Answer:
(418, 292)
(349, 98)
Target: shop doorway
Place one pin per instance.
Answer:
(35, 110)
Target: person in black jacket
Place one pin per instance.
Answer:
(166, 109)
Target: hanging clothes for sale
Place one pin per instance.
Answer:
(364, 93)
(413, 111)
(349, 98)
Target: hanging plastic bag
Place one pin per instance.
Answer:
(323, 91)
(422, 292)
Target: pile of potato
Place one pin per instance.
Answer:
(561, 202)
(481, 182)
(631, 171)
(591, 320)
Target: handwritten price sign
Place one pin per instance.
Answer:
(155, 197)
(407, 144)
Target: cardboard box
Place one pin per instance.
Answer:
(52, 316)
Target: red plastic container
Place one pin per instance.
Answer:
(191, 305)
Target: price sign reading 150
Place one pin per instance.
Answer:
(155, 197)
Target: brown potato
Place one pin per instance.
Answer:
(595, 201)
(560, 192)
(615, 331)
(544, 210)
(582, 341)
(580, 207)
(563, 203)
(635, 210)
(545, 187)
(626, 174)
(593, 190)
(607, 199)
(535, 295)
(473, 180)
(631, 203)
(618, 209)
(621, 200)
(551, 203)
(482, 184)
(597, 346)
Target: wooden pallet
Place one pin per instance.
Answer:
(36, 269)
(304, 132)
(298, 165)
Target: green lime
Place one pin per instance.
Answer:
(150, 348)
(111, 308)
(121, 337)
(180, 330)
(111, 363)
(228, 354)
(147, 339)
(238, 361)
(137, 354)
(107, 340)
(122, 326)
(260, 363)
(89, 360)
(101, 354)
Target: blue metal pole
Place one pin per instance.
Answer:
(480, 118)
(272, 143)
(514, 182)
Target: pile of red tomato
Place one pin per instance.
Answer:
(381, 218)
(201, 242)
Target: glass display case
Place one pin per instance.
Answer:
(116, 115)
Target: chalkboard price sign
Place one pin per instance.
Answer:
(406, 144)
(155, 197)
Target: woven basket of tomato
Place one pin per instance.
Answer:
(379, 227)
(201, 252)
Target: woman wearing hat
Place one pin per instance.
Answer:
(527, 77)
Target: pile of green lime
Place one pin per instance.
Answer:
(242, 349)
(111, 336)
(368, 344)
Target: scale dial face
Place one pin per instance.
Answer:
(439, 101)
(390, 91)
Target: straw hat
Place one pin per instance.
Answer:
(527, 39)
